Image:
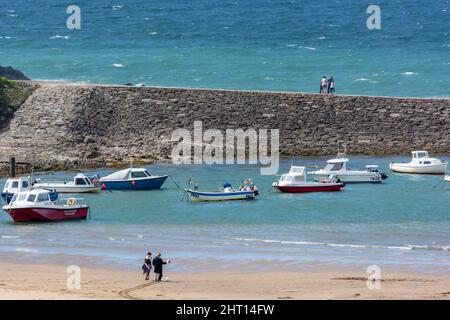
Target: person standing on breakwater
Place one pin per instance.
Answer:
(147, 266)
(323, 85)
(331, 85)
(158, 266)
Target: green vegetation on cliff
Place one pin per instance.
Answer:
(12, 95)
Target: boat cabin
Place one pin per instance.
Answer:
(128, 174)
(296, 174)
(423, 158)
(14, 185)
(420, 154)
(337, 164)
(82, 180)
(32, 197)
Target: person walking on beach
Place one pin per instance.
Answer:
(147, 266)
(323, 85)
(158, 266)
(331, 85)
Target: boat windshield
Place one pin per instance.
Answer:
(14, 198)
(80, 182)
(138, 174)
(21, 197)
(31, 198)
(283, 177)
(42, 197)
(422, 154)
(334, 166)
(15, 184)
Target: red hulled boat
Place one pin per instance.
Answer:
(36, 205)
(295, 182)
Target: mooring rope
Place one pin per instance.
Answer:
(175, 182)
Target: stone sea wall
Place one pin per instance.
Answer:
(63, 124)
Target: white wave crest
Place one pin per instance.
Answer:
(409, 73)
(59, 37)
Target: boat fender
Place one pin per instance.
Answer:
(133, 183)
(71, 201)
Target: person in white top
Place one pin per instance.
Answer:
(323, 85)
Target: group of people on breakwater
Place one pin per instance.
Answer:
(156, 264)
(327, 85)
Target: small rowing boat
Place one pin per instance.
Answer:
(247, 191)
(296, 182)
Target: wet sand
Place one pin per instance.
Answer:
(30, 281)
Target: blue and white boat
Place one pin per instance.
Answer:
(13, 186)
(21, 184)
(228, 193)
(132, 179)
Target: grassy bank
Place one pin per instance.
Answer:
(12, 95)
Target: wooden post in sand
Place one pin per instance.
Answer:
(12, 167)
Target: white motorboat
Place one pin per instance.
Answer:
(13, 186)
(296, 182)
(39, 205)
(80, 184)
(422, 163)
(338, 168)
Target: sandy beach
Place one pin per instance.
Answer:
(20, 281)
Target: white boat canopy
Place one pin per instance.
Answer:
(125, 174)
(337, 160)
(420, 154)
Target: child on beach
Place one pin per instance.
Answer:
(147, 266)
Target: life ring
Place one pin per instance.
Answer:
(71, 201)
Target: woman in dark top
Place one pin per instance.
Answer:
(147, 266)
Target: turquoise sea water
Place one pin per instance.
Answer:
(402, 222)
(285, 45)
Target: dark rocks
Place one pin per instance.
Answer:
(12, 74)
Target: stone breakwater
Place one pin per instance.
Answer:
(62, 124)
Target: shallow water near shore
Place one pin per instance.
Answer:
(403, 222)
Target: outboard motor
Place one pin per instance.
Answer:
(384, 176)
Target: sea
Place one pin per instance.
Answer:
(276, 45)
(400, 224)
